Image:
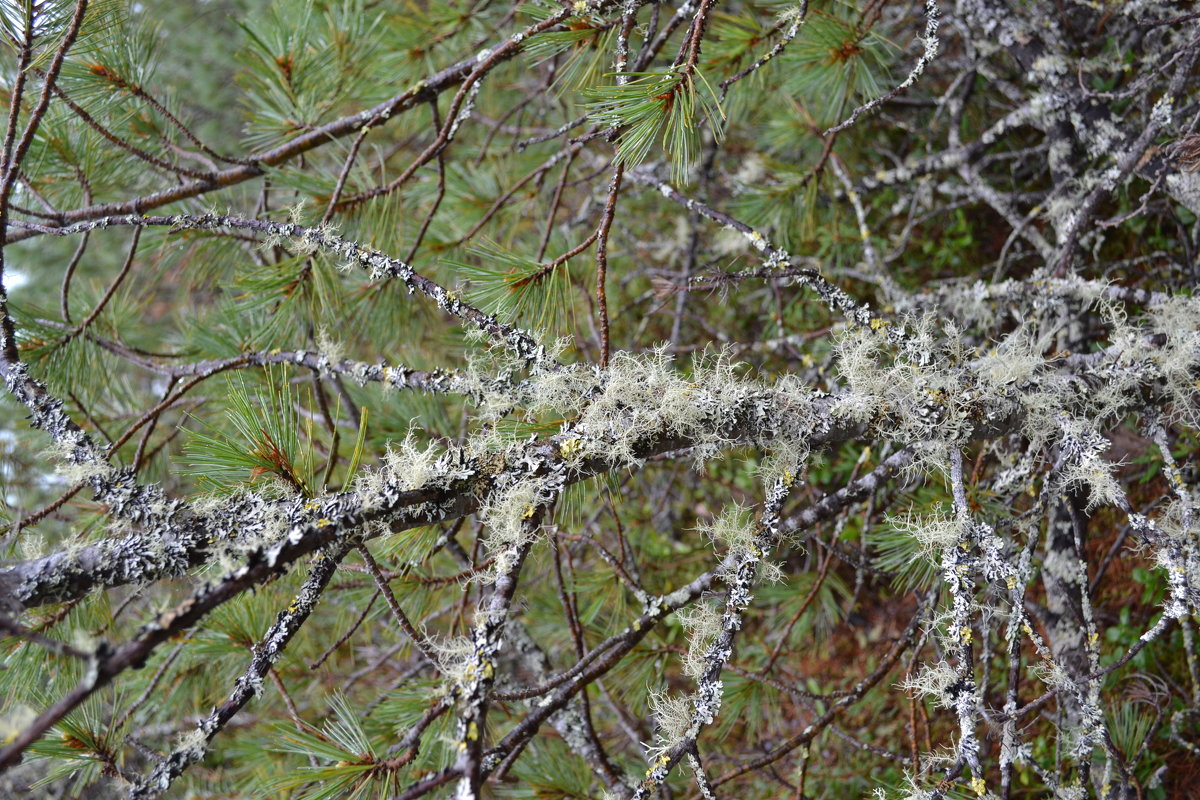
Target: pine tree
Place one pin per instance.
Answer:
(599, 399)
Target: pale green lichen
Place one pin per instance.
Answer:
(66, 455)
(454, 656)
(509, 517)
(733, 528)
(32, 545)
(702, 625)
(331, 350)
(1179, 320)
(672, 716)
(1012, 362)
(14, 721)
(934, 682)
(644, 397)
(933, 532)
(409, 464)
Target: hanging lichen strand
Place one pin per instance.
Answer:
(600, 399)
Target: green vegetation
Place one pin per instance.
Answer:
(599, 399)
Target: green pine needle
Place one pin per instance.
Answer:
(265, 440)
(666, 107)
(532, 292)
